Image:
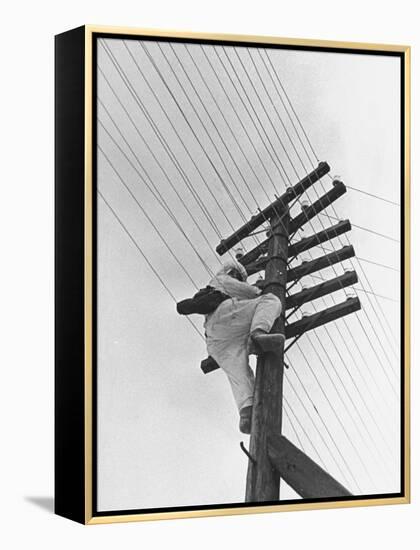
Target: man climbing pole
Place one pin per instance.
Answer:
(237, 327)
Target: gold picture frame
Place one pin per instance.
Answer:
(74, 369)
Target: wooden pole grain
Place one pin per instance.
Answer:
(263, 481)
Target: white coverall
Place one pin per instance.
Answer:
(229, 326)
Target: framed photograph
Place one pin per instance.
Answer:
(232, 274)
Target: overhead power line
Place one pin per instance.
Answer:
(372, 195)
(367, 260)
(139, 102)
(360, 290)
(145, 177)
(135, 243)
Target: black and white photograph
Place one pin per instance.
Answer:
(248, 260)
(210, 239)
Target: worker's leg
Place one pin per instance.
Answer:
(266, 312)
(232, 358)
(228, 330)
(261, 340)
(255, 318)
(237, 318)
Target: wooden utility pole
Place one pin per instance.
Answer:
(263, 481)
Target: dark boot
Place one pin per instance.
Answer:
(264, 343)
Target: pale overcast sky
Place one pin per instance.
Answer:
(167, 434)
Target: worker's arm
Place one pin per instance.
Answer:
(238, 289)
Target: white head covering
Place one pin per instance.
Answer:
(231, 264)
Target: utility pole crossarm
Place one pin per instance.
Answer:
(279, 205)
(300, 246)
(323, 317)
(254, 254)
(328, 260)
(306, 268)
(318, 238)
(310, 212)
(256, 266)
(322, 289)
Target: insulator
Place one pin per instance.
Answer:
(304, 258)
(304, 204)
(239, 252)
